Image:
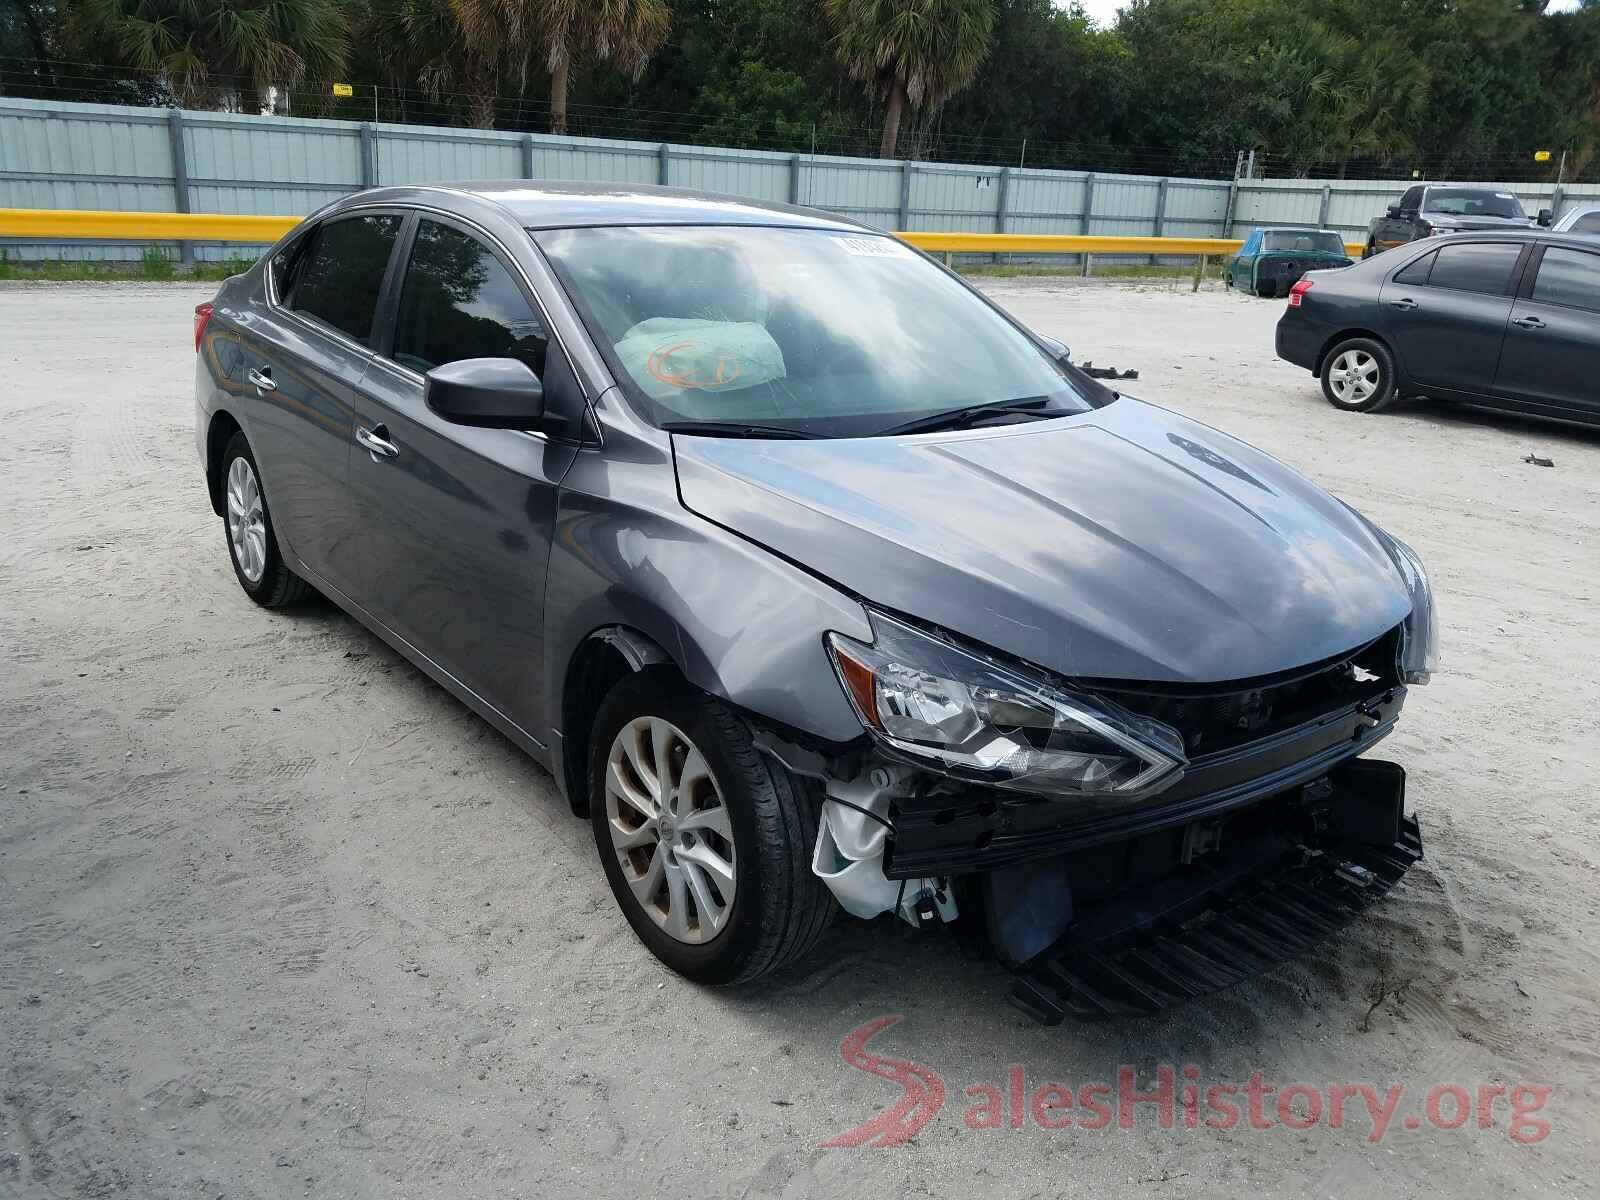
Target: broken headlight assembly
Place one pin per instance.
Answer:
(1419, 633)
(967, 715)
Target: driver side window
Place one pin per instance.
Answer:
(459, 301)
(1412, 201)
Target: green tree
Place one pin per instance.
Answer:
(218, 52)
(621, 33)
(916, 52)
(465, 47)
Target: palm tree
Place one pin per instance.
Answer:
(917, 52)
(624, 33)
(209, 51)
(466, 46)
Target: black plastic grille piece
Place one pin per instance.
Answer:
(1267, 920)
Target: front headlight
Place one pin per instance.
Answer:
(998, 724)
(1419, 634)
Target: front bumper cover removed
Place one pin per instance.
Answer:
(1202, 930)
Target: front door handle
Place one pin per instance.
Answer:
(376, 442)
(262, 379)
(1405, 302)
(1528, 323)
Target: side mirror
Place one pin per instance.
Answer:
(491, 393)
(1547, 217)
(1056, 350)
(1392, 212)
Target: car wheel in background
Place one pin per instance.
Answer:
(252, 545)
(705, 840)
(1267, 289)
(1358, 375)
(1370, 250)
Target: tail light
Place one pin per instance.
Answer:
(202, 314)
(1298, 291)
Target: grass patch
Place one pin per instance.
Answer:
(1097, 271)
(155, 265)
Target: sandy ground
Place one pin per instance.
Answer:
(279, 917)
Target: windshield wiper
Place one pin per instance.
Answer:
(736, 429)
(957, 418)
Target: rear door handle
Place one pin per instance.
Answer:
(1405, 302)
(376, 442)
(1528, 323)
(262, 378)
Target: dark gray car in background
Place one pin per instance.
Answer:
(1495, 320)
(813, 577)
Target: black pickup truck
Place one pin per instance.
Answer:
(1432, 208)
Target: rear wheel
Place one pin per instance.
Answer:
(252, 544)
(1358, 375)
(706, 841)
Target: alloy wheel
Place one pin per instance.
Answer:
(247, 524)
(1354, 377)
(670, 829)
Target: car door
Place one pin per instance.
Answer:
(458, 519)
(1446, 313)
(302, 366)
(1552, 348)
(1243, 265)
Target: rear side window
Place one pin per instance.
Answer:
(338, 278)
(1588, 223)
(1416, 273)
(1475, 267)
(459, 301)
(1568, 277)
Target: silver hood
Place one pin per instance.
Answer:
(1127, 543)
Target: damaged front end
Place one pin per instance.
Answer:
(1127, 846)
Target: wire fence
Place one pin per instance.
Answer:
(930, 138)
(236, 158)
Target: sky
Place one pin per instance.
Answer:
(1105, 11)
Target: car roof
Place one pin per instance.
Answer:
(1530, 234)
(1292, 229)
(536, 204)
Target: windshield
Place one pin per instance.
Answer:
(1473, 202)
(1305, 242)
(824, 333)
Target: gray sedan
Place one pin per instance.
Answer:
(819, 582)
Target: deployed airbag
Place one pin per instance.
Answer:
(668, 356)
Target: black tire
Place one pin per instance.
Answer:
(278, 586)
(779, 908)
(1370, 250)
(1383, 389)
(1267, 289)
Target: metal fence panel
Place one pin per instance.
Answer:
(404, 154)
(102, 156)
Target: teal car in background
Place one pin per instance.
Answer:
(1273, 259)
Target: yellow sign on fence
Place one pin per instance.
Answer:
(343, 89)
(1541, 156)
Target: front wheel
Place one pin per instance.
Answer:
(706, 841)
(1358, 375)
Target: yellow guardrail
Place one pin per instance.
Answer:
(69, 224)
